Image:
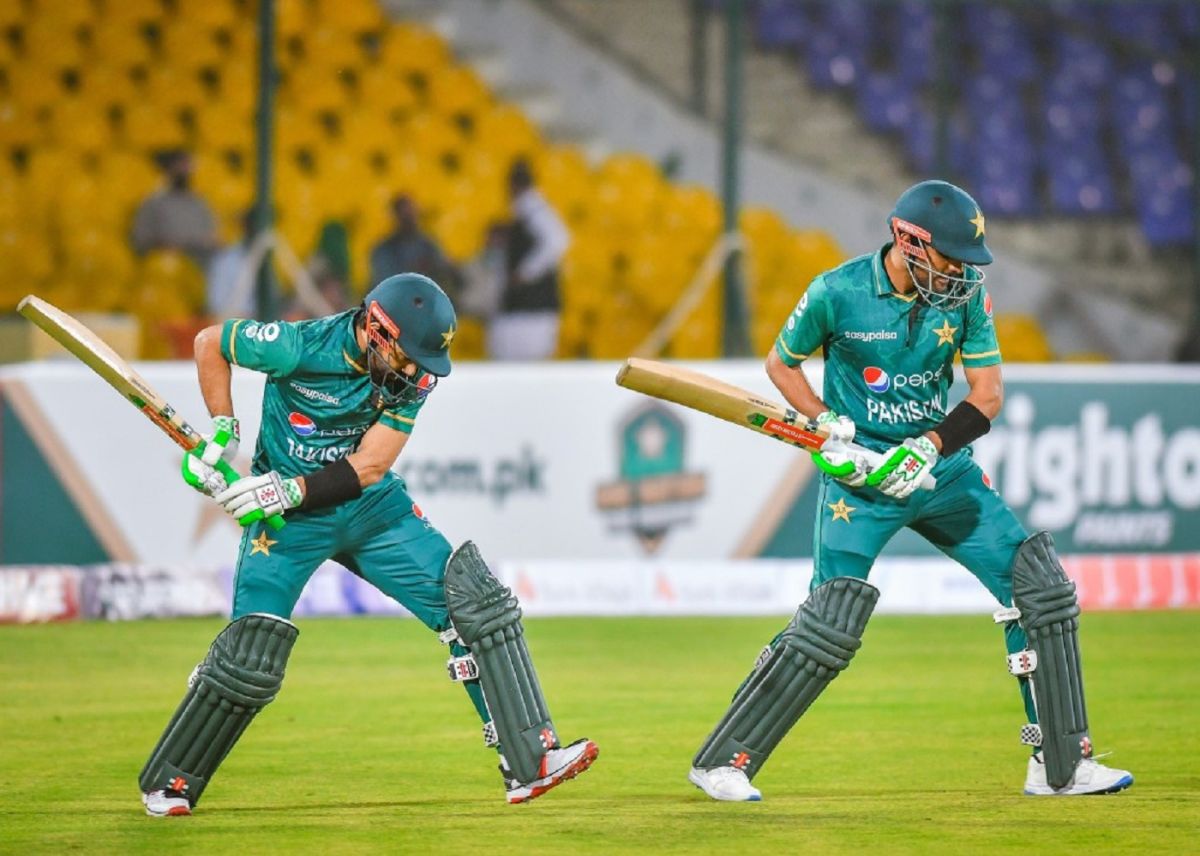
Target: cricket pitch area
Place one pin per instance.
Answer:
(369, 748)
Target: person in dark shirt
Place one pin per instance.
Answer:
(409, 250)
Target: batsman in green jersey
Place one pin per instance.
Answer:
(889, 325)
(341, 397)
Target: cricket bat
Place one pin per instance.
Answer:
(731, 403)
(104, 361)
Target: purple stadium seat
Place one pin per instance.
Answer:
(1005, 184)
(1079, 181)
(781, 23)
(885, 102)
(920, 142)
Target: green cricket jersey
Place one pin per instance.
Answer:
(317, 402)
(888, 357)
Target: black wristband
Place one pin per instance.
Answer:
(962, 425)
(333, 484)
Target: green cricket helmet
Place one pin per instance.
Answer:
(411, 311)
(944, 216)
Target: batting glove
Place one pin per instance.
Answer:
(904, 467)
(842, 461)
(254, 497)
(223, 444)
(837, 428)
(200, 476)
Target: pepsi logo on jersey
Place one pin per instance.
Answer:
(301, 424)
(876, 379)
(879, 381)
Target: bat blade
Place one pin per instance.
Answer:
(715, 397)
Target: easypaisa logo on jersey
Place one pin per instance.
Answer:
(878, 381)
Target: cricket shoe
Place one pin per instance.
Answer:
(1090, 778)
(558, 765)
(728, 784)
(166, 803)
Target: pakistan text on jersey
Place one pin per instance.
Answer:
(314, 394)
(317, 454)
(872, 335)
(905, 411)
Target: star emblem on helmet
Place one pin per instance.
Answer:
(448, 337)
(978, 222)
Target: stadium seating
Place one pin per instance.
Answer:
(1111, 92)
(366, 108)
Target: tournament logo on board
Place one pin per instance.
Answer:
(876, 379)
(301, 424)
(653, 492)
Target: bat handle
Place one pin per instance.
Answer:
(275, 521)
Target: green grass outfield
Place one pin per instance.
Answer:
(370, 749)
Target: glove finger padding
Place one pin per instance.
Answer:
(842, 462)
(200, 476)
(223, 444)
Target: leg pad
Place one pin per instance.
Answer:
(241, 675)
(817, 644)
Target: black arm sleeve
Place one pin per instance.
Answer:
(962, 425)
(333, 484)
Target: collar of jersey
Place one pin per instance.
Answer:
(883, 285)
(351, 353)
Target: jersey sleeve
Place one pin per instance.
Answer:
(809, 325)
(402, 418)
(979, 346)
(273, 348)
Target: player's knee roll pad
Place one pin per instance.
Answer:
(241, 675)
(1050, 618)
(817, 644)
(488, 620)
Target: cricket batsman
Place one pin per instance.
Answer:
(889, 324)
(341, 396)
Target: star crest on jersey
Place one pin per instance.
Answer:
(262, 544)
(840, 510)
(978, 222)
(448, 337)
(945, 333)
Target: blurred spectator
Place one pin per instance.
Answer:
(409, 250)
(175, 217)
(329, 266)
(221, 287)
(526, 327)
(484, 277)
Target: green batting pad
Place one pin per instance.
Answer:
(240, 676)
(1050, 616)
(488, 620)
(816, 645)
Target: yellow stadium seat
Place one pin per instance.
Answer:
(456, 90)
(188, 45)
(206, 14)
(33, 87)
(12, 13)
(68, 14)
(386, 93)
(331, 50)
(239, 85)
(218, 128)
(18, 125)
(295, 128)
(352, 16)
(106, 86)
(410, 49)
(1022, 339)
(292, 18)
(27, 256)
(1086, 357)
(693, 209)
(118, 43)
(470, 339)
(152, 126)
(129, 175)
(49, 44)
(176, 89)
(133, 12)
(80, 126)
(432, 137)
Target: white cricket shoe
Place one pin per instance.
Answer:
(558, 765)
(1090, 778)
(166, 804)
(725, 783)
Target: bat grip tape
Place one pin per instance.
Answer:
(275, 521)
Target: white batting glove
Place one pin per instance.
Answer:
(839, 429)
(200, 476)
(904, 467)
(255, 497)
(845, 463)
(223, 443)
